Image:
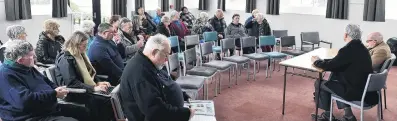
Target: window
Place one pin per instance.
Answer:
(41, 7)
(390, 9)
(313, 7)
(235, 5)
(151, 5)
(192, 3)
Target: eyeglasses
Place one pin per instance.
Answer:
(370, 40)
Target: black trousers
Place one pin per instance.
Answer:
(67, 112)
(327, 89)
(100, 107)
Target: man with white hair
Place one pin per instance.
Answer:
(350, 69)
(157, 17)
(378, 50)
(147, 91)
(87, 26)
(219, 24)
(26, 95)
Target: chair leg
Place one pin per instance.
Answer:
(255, 70)
(384, 94)
(380, 105)
(259, 66)
(331, 109)
(267, 70)
(229, 76)
(235, 71)
(248, 71)
(274, 64)
(362, 114)
(219, 84)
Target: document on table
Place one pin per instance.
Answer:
(203, 118)
(205, 110)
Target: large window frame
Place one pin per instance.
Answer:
(390, 9)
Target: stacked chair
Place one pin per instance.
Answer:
(312, 39)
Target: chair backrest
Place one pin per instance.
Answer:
(248, 42)
(174, 41)
(190, 55)
(280, 33)
(116, 103)
(228, 43)
(50, 73)
(312, 37)
(206, 48)
(388, 63)
(376, 81)
(267, 40)
(288, 41)
(173, 62)
(192, 40)
(2, 54)
(210, 36)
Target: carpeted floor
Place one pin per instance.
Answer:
(261, 100)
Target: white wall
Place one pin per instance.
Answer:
(33, 26)
(330, 29)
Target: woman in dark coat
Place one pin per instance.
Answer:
(50, 43)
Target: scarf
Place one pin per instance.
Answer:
(128, 36)
(85, 68)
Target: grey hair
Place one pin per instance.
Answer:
(260, 15)
(87, 26)
(124, 21)
(103, 27)
(218, 11)
(377, 36)
(353, 31)
(14, 31)
(203, 16)
(17, 49)
(165, 19)
(173, 14)
(157, 41)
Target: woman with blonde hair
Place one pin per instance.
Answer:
(74, 70)
(50, 42)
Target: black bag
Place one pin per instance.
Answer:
(392, 42)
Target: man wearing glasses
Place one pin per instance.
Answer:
(147, 91)
(104, 54)
(378, 50)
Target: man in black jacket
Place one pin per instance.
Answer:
(219, 24)
(350, 69)
(144, 91)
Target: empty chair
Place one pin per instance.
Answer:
(311, 38)
(375, 83)
(212, 37)
(251, 42)
(289, 42)
(116, 104)
(271, 40)
(229, 44)
(221, 66)
(280, 33)
(193, 68)
(174, 42)
(191, 83)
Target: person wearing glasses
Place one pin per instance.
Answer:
(147, 91)
(131, 42)
(104, 54)
(378, 50)
(50, 42)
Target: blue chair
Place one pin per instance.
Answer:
(212, 37)
(174, 42)
(271, 40)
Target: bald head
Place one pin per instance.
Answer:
(219, 13)
(374, 38)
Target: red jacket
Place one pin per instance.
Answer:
(182, 31)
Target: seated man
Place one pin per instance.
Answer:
(378, 50)
(146, 91)
(350, 69)
(26, 95)
(104, 54)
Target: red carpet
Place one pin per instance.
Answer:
(261, 100)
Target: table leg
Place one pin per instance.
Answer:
(320, 76)
(285, 79)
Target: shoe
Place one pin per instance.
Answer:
(323, 117)
(344, 118)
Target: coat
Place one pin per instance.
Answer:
(144, 96)
(47, 49)
(351, 67)
(181, 32)
(219, 25)
(106, 59)
(25, 93)
(379, 54)
(257, 29)
(129, 44)
(161, 29)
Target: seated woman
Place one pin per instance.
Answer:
(164, 27)
(50, 42)
(14, 32)
(202, 25)
(149, 27)
(74, 70)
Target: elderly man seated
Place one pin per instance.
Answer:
(378, 50)
(26, 95)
